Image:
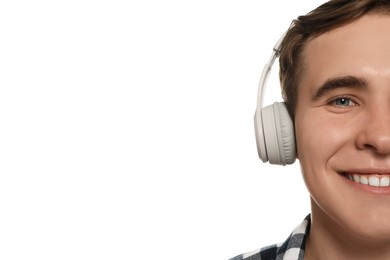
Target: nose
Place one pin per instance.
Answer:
(375, 133)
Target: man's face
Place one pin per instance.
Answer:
(342, 126)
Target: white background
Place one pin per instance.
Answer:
(126, 130)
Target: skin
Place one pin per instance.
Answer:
(345, 130)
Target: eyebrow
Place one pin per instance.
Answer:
(339, 82)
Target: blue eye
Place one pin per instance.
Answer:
(343, 102)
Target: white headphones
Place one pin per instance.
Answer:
(275, 137)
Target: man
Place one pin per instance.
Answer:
(335, 76)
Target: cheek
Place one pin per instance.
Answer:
(314, 139)
(316, 144)
(320, 135)
(318, 140)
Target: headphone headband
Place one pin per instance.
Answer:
(267, 70)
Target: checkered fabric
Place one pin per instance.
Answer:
(292, 249)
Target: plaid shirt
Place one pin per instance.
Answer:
(292, 249)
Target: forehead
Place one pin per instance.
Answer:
(349, 49)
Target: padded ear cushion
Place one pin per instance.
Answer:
(278, 131)
(286, 133)
(260, 140)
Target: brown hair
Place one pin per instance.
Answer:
(326, 17)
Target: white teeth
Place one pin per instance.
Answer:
(385, 181)
(363, 180)
(371, 180)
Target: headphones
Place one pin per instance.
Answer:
(274, 129)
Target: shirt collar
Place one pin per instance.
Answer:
(294, 247)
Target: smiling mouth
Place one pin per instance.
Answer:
(370, 180)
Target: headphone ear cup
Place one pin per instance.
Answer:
(278, 131)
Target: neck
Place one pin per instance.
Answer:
(329, 240)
